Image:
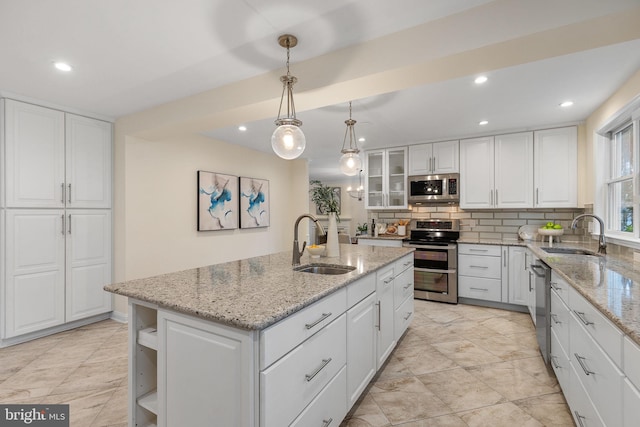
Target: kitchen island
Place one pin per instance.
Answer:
(255, 343)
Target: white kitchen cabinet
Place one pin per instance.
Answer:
(480, 272)
(386, 179)
(361, 346)
(386, 313)
(518, 276)
(434, 158)
(56, 159)
(35, 270)
(88, 262)
(57, 265)
(497, 172)
(476, 176)
(556, 168)
(531, 304)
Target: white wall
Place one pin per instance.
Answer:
(156, 217)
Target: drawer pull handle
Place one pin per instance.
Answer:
(579, 418)
(479, 289)
(554, 317)
(478, 266)
(555, 287)
(325, 423)
(407, 286)
(408, 315)
(554, 361)
(389, 280)
(407, 264)
(478, 250)
(378, 325)
(582, 365)
(311, 325)
(310, 376)
(580, 315)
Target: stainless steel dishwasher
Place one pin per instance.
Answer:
(542, 274)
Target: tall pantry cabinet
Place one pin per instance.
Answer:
(55, 211)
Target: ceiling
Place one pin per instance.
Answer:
(132, 56)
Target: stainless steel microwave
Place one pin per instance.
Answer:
(434, 188)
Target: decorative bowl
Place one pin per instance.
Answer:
(551, 231)
(528, 232)
(316, 251)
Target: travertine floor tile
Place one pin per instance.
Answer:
(367, 413)
(450, 420)
(422, 359)
(95, 376)
(511, 381)
(502, 415)
(465, 353)
(506, 347)
(551, 409)
(114, 411)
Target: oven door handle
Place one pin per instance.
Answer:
(430, 247)
(431, 270)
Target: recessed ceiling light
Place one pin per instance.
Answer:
(361, 139)
(242, 128)
(567, 104)
(483, 122)
(62, 66)
(480, 79)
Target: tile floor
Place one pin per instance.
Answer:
(457, 365)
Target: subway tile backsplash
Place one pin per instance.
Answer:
(491, 224)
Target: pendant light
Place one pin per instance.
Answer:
(358, 193)
(287, 140)
(350, 162)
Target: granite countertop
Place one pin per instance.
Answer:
(611, 283)
(254, 293)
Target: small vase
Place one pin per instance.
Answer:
(333, 246)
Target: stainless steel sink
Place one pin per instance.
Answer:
(325, 269)
(568, 251)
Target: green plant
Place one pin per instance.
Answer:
(325, 198)
(362, 228)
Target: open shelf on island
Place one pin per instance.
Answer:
(148, 337)
(149, 402)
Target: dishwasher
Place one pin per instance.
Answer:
(542, 285)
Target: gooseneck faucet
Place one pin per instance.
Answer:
(602, 245)
(297, 253)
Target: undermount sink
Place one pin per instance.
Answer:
(325, 269)
(568, 251)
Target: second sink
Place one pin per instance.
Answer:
(325, 269)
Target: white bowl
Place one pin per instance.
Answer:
(316, 251)
(528, 232)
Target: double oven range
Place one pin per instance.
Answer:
(435, 259)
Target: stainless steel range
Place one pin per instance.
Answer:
(435, 260)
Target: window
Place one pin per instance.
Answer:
(620, 185)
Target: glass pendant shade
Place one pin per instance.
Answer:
(288, 141)
(350, 163)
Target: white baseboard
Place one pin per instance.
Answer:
(119, 316)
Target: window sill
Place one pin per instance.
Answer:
(621, 240)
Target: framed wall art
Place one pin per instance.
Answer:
(254, 202)
(217, 201)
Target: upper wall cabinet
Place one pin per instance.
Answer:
(556, 168)
(386, 179)
(497, 172)
(55, 160)
(433, 158)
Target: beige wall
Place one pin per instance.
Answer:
(155, 219)
(629, 91)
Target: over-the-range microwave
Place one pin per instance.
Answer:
(434, 188)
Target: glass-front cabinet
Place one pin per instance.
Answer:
(386, 179)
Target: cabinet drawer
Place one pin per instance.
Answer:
(403, 318)
(582, 409)
(402, 287)
(329, 407)
(561, 287)
(480, 266)
(403, 263)
(360, 289)
(598, 374)
(278, 339)
(605, 333)
(560, 363)
(632, 361)
(290, 384)
(631, 404)
(560, 321)
(473, 287)
(489, 250)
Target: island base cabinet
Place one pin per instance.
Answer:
(329, 407)
(291, 383)
(582, 409)
(361, 346)
(631, 404)
(205, 373)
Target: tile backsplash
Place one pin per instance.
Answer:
(491, 224)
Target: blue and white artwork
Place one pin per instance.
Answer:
(254, 202)
(217, 201)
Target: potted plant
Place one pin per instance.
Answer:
(325, 198)
(362, 229)
(328, 201)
